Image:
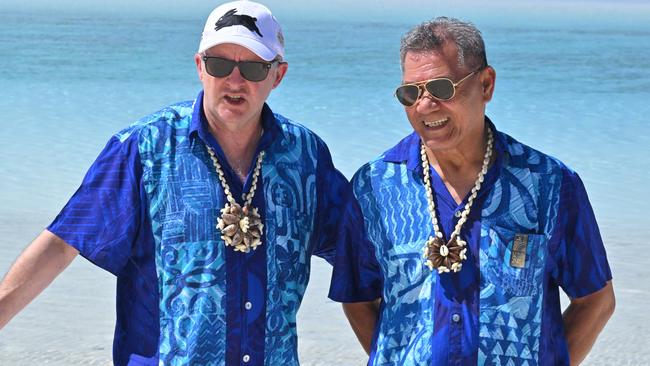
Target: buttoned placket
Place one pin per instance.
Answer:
(453, 318)
(243, 262)
(243, 304)
(455, 336)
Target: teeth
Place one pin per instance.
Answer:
(234, 96)
(437, 123)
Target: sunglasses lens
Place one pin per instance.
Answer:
(440, 88)
(407, 94)
(219, 67)
(250, 70)
(254, 71)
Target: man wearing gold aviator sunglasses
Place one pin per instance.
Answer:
(468, 232)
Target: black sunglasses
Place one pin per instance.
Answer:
(440, 88)
(250, 70)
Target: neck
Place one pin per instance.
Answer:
(238, 145)
(468, 157)
(459, 167)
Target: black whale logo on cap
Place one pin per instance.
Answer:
(229, 19)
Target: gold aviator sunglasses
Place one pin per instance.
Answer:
(440, 88)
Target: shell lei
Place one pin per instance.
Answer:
(241, 227)
(446, 257)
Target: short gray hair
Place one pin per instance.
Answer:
(432, 36)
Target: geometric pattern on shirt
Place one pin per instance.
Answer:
(289, 176)
(511, 298)
(183, 196)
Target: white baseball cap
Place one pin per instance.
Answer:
(247, 24)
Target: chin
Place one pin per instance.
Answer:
(435, 144)
(229, 114)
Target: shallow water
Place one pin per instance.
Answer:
(68, 81)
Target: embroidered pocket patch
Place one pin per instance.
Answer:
(518, 254)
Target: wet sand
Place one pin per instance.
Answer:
(71, 323)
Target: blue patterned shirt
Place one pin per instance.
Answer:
(491, 312)
(146, 211)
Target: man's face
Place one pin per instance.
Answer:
(452, 124)
(232, 102)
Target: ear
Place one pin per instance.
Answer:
(279, 73)
(488, 79)
(199, 66)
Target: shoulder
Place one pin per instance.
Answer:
(544, 176)
(174, 117)
(389, 168)
(394, 159)
(298, 136)
(292, 128)
(521, 156)
(372, 168)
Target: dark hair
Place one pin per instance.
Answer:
(432, 36)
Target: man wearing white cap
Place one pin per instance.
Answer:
(207, 212)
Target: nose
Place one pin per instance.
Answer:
(235, 76)
(427, 103)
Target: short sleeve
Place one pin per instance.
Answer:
(582, 266)
(333, 192)
(356, 276)
(102, 218)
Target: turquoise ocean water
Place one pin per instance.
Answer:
(573, 82)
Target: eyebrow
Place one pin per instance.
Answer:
(229, 59)
(425, 80)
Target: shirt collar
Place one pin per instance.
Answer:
(408, 150)
(199, 126)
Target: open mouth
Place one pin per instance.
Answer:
(437, 123)
(235, 99)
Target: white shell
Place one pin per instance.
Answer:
(429, 264)
(444, 251)
(243, 224)
(456, 267)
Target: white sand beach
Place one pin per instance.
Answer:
(71, 323)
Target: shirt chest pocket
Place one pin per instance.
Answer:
(513, 262)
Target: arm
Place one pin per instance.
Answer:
(363, 319)
(33, 271)
(585, 318)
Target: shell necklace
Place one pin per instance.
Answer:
(241, 227)
(448, 256)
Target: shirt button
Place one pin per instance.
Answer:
(455, 318)
(248, 305)
(246, 358)
(458, 214)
